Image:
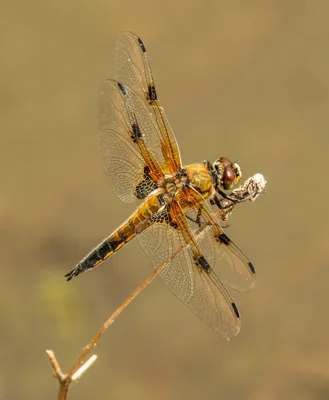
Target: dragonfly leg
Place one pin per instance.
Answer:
(234, 199)
(215, 201)
(197, 220)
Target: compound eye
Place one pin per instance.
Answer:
(225, 161)
(229, 177)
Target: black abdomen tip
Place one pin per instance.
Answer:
(74, 272)
(69, 275)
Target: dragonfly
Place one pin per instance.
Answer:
(174, 221)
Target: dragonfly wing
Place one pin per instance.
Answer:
(234, 268)
(165, 242)
(213, 305)
(133, 69)
(125, 140)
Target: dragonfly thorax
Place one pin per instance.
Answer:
(173, 183)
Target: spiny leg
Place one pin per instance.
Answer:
(197, 220)
(234, 199)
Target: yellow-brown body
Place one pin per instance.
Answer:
(171, 187)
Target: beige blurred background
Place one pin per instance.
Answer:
(247, 80)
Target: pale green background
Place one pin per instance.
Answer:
(245, 79)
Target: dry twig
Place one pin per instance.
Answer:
(81, 365)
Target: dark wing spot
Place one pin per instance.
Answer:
(145, 187)
(162, 217)
(136, 131)
(152, 93)
(122, 89)
(146, 171)
(235, 309)
(203, 263)
(224, 238)
(141, 44)
(251, 267)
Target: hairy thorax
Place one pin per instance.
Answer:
(195, 176)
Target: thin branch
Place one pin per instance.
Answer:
(57, 370)
(84, 367)
(113, 317)
(81, 365)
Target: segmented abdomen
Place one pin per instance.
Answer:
(127, 231)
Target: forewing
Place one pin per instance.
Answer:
(233, 267)
(200, 290)
(133, 69)
(129, 161)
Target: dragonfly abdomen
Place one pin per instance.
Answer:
(126, 232)
(105, 249)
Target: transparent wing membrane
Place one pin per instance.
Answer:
(134, 70)
(199, 289)
(233, 267)
(175, 226)
(164, 244)
(121, 117)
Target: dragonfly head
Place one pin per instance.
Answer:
(228, 173)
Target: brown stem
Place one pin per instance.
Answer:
(112, 318)
(78, 368)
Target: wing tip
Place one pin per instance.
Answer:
(233, 330)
